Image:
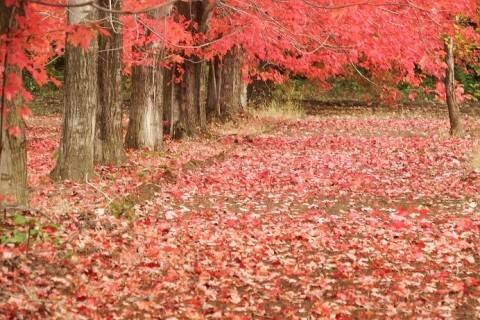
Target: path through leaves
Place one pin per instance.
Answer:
(353, 218)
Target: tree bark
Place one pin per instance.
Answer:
(214, 89)
(108, 134)
(232, 83)
(190, 98)
(456, 128)
(191, 115)
(13, 154)
(75, 160)
(171, 100)
(225, 86)
(145, 124)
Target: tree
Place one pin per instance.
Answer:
(213, 106)
(13, 155)
(390, 41)
(75, 160)
(145, 126)
(225, 85)
(456, 128)
(190, 113)
(108, 134)
(189, 88)
(171, 100)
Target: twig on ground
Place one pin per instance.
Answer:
(110, 200)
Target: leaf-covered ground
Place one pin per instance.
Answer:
(343, 217)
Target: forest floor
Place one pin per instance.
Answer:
(347, 214)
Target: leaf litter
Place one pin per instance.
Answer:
(338, 217)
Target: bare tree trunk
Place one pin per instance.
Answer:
(145, 124)
(202, 95)
(192, 116)
(171, 99)
(232, 83)
(184, 108)
(75, 160)
(214, 89)
(225, 86)
(456, 128)
(207, 12)
(13, 155)
(190, 98)
(108, 134)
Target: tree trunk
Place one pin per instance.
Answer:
(225, 86)
(75, 160)
(171, 99)
(214, 89)
(231, 97)
(13, 154)
(183, 108)
(456, 128)
(145, 124)
(202, 95)
(189, 89)
(190, 98)
(108, 134)
(208, 9)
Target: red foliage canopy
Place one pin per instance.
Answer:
(390, 40)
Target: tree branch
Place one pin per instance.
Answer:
(103, 9)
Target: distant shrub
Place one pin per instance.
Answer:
(280, 110)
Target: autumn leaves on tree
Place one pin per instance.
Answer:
(188, 61)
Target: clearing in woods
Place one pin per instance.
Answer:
(345, 213)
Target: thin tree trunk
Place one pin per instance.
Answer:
(108, 134)
(207, 12)
(202, 95)
(13, 155)
(75, 160)
(456, 128)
